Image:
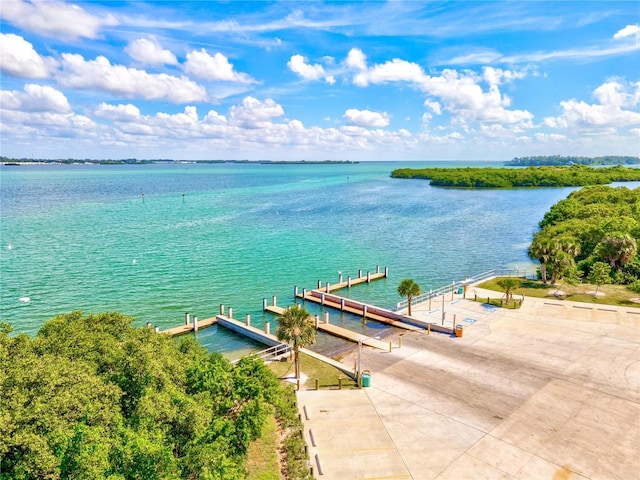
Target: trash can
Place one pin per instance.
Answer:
(366, 378)
(460, 290)
(459, 330)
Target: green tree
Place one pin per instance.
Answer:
(408, 288)
(618, 249)
(599, 274)
(296, 329)
(541, 249)
(509, 284)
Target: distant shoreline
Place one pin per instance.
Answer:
(10, 162)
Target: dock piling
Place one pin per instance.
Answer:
(221, 309)
(264, 303)
(267, 328)
(230, 312)
(377, 268)
(273, 300)
(187, 318)
(326, 317)
(349, 282)
(368, 277)
(316, 319)
(195, 324)
(247, 320)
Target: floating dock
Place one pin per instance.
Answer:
(339, 331)
(245, 329)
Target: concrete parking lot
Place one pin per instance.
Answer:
(551, 390)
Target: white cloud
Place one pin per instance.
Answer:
(604, 116)
(129, 82)
(54, 19)
(298, 64)
(395, 70)
(255, 114)
(36, 98)
(498, 76)
(118, 112)
(615, 94)
(215, 68)
(433, 106)
(18, 58)
(356, 59)
(366, 118)
(627, 31)
(149, 51)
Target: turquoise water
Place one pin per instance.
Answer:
(84, 237)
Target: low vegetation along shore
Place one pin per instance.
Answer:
(573, 176)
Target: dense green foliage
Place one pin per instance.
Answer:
(592, 226)
(574, 176)
(92, 397)
(556, 160)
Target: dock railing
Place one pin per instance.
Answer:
(455, 285)
(274, 351)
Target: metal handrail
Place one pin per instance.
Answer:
(274, 351)
(515, 272)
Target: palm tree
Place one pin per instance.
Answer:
(508, 284)
(296, 329)
(408, 288)
(541, 249)
(618, 249)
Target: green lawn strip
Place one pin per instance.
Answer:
(583, 292)
(262, 455)
(313, 368)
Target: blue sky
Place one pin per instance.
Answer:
(335, 80)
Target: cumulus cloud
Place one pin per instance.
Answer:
(460, 93)
(117, 112)
(18, 58)
(609, 113)
(298, 64)
(498, 76)
(215, 68)
(356, 59)
(395, 70)
(435, 107)
(100, 74)
(255, 114)
(366, 118)
(54, 19)
(35, 98)
(149, 51)
(627, 31)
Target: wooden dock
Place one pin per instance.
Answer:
(338, 331)
(354, 336)
(261, 336)
(189, 327)
(362, 309)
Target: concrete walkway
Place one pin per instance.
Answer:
(551, 390)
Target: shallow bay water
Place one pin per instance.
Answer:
(156, 241)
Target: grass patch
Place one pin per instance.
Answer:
(617, 295)
(262, 456)
(313, 368)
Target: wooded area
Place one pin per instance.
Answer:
(592, 234)
(93, 397)
(574, 176)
